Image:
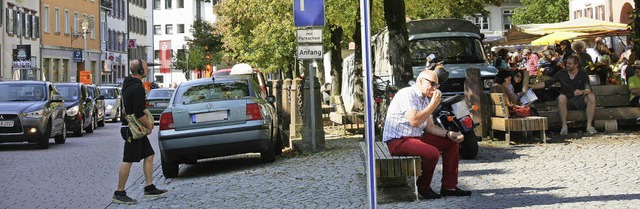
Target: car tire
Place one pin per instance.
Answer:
(169, 169)
(43, 143)
(62, 137)
(278, 149)
(78, 132)
(92, 126)
(269, 155)
(101, 123)
(115, 118)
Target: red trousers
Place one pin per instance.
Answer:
(428, 147)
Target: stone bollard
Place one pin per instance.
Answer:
(286, 104)
(313, 131)
(295, 122)
(276, 91)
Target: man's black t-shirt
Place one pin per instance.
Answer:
(133, 98)
(568, 85)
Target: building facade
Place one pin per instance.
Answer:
(19, 24)
(173, 20)
(140, 38)
(113, 22)
(71, 40)
(608, 10)
(498, 20)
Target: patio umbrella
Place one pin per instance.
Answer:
(555, 37)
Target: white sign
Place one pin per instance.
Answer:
(309, 52)
(309, 36)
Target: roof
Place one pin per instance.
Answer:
(581, 25)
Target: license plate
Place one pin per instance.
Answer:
(8, 123)
(162, 104)
(210, 116)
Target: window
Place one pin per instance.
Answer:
(157, 30)
(577, 14)
(75, 22)
(1, 15)
(46, 19)
(56, 17)
(156, 4)
(66, 22)
(26, 31)
(169, 29)
(180, 3)
(156, 54)
(480, 21)
(506, 19)
(36, 27)
(600, 12)
(9, 15)
(92, 27)
(180, 28)
(588, 12)
(167, 4)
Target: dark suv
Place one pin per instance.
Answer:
(98, 99)
(80, 108)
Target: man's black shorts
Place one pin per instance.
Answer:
(137, 149)
(576, 103)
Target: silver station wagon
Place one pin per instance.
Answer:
(212, 117)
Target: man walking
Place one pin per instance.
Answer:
(575, 94)
(133, 96)
(408, 116)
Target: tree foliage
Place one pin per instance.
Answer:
(541, 11)
(205, 48)
(424, 9)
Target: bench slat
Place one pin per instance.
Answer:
(392, 166)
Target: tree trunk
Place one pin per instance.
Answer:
(394, 16)
(336, 60)
(358, 102)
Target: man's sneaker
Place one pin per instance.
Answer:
(564, 131)
(591, 130)
(122, 198)
(152, 191)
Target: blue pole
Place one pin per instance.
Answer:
(368, 96)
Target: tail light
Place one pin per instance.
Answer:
(449, 118)
(253, 112)
(147, 104)
(166, 121)
(467, 121)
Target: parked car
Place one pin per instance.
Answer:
(212, 117)
(98, 100)
(112, 101)
(157, 101)
(80, 108)
(31, 111)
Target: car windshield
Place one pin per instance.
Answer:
(22, 92)
(108, 93)
(69, 93)
(91, 91)
(160, 94)
(450, 50)
(208, 92)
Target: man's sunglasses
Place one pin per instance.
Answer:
(434, 84)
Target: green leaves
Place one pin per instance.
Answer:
(541, 11)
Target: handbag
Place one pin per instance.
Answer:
(520, 111)
(138, 130)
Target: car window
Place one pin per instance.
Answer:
(22, 92)
(208, 92)
(160, 94)
(69, 93)
(108, 93)
(450, 50)
(91, 91)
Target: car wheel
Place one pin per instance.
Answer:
(278, 149)
(169, 169)
(101, 122)
(44, 141)
(92, 126)
(78, 132)
(269, 155)
(62, 137)
(115, 118)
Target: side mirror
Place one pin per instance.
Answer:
(101, 97)
(271, 99)
(57, 98)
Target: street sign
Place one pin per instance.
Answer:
(309, 36)
(309, 52)
(308, 13)
(132, 44)
(77, 55)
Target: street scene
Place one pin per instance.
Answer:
(319, 104)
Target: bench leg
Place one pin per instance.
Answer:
(415, 179)
(544, 136)
(507, 137)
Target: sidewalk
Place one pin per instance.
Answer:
(591, 172)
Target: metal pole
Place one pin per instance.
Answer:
(84, 35)
(370, 132)
(312, 105)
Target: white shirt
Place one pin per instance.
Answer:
(595, 55)
(396, 124)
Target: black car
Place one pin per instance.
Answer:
(80, 108)
(98, 100)
(31, 111)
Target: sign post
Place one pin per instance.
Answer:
(368, 99)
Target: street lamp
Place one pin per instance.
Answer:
(85, 28)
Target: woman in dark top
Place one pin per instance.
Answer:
(565, 49)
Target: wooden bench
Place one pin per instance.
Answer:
(612, 107)
(502, 121)
(388, 166)
(340, 115)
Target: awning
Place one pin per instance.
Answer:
(582, 25)
(555, 37)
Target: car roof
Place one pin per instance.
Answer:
(221, 78)
(25, 82)
(163, 89)
(68, 84)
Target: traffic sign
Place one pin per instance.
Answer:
(309, 36)
(308, 13)
(77, 55)
(132, 44)
(309, 52)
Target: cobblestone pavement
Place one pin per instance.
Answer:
(590, 172)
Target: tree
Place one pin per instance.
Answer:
(541, 11)
(205, 48)
(424, 9)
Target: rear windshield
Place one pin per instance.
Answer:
(208, 92)
(69, 93)
(22, 92)
(160, 94)
(450, 50)
(108, 93)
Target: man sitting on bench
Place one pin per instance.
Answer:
(408, 116)
(575, 94)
